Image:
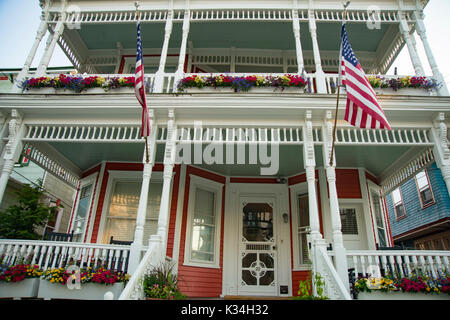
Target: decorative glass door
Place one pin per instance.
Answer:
(257, 263)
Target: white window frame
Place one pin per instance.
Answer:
(397, 218)
(424, 206)
(217, 188)
(374, 188)
(90, 180)
(297, 190)
(115, 176)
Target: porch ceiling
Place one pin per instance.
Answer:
(255, 35)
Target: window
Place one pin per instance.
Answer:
(424, 188)
(202, 246)
(399, 207)
(349, 221)
(303, 225)
(379, 221)
(203, 228)
(82, 210)
(123, 208)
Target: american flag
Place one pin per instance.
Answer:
(363, 109)
(139, 84)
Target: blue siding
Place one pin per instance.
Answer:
(415, 215)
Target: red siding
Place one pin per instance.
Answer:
(297, 179)
(253, 180)
(347, 184)
(198, 281)
(371, 178)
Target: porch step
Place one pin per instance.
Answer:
(255, 298)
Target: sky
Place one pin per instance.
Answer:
(19, 20)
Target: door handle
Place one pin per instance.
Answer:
(274, 247)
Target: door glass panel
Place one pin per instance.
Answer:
(258, 222)
(258, 259)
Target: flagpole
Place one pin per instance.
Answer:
(344, 15)
(147, 157)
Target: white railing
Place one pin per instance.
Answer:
(55, 254)
(335, 288)
(134, 289)
(398, 262)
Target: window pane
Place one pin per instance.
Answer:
(396, 197)
(378, 218)
(303, 221)
(422, 180)
(257, 222)
(83, 206)
(400, 211)
(348, 221)
(203, 229)
(123, 210)
(426, 196)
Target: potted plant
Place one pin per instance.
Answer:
(161, 283)
(85, 284)
(305, 290)
(19, 281)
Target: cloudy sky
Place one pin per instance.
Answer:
(19, 20)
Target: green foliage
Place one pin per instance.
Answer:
(305, 291)
(162, 283)
(19, 221)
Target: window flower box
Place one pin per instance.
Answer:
(87, 291)
(27, 288)
(42, 90)
(398, 295)
(252, 83)
(403, 92)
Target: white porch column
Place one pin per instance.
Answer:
(441, 150)
(169, 161)
(320, 75)
(182, 57)
(404, 30)
(42, 68)
(338, 242)
(12, 149)
(159, 78)
(420, 28)
(310, 165)
(39, 35)
(136, 246)
(298, 44)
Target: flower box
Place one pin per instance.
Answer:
(402, 91)
(42, 90)
(397, 295)
(252, 90)
(27, 288)
(88, 291)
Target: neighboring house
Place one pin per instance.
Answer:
(237, 188)
(55, 192)
(419, 211)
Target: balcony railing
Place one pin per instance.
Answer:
(398, 262)
(54, 254)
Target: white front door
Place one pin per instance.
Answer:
(257, 259)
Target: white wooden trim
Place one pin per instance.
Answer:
(296, 190)
(95, 201)
(368, 211)
(377, 189)
(179, 217)
(216, 188)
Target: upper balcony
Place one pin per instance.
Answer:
(238, 37)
